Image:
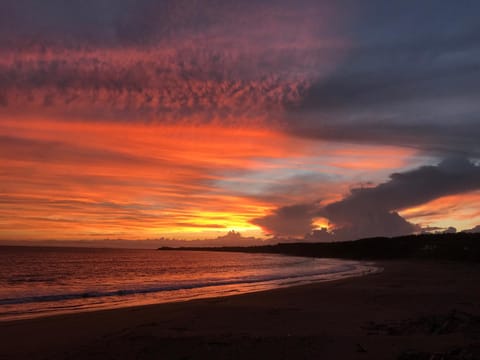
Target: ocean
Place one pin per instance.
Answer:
(37, 282)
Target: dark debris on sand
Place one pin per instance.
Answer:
(453, 322)
(469, 353)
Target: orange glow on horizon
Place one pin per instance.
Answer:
(66, 179)
(322, 223)
(460, 211)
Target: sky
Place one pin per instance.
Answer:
(123, 119)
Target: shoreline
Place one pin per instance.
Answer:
(61, 304)
(141, 307)
(385, 315)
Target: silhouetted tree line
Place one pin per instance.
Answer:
(459, 246)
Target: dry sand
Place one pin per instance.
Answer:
(413, 310)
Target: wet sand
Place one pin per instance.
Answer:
(412, 310)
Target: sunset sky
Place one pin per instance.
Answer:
(185, 119)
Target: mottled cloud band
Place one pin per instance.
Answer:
(162, 61)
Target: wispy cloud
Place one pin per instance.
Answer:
(143, 180)
(149, 117)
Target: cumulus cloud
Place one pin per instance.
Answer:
(291, 220)
(372, 211)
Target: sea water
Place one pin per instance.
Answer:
(38, 282)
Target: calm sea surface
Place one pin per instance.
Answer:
(45, 281)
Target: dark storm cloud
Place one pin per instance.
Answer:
(437, 138)
(410, 78)
(369, 211)
(289, 220)
(372, 211)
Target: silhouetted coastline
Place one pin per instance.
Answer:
(458, 247)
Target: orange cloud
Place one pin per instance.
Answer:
(73, 179)
(461, 211)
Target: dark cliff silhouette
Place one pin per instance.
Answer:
(459, 246)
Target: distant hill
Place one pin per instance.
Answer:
(232, 238)
(459, 246)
